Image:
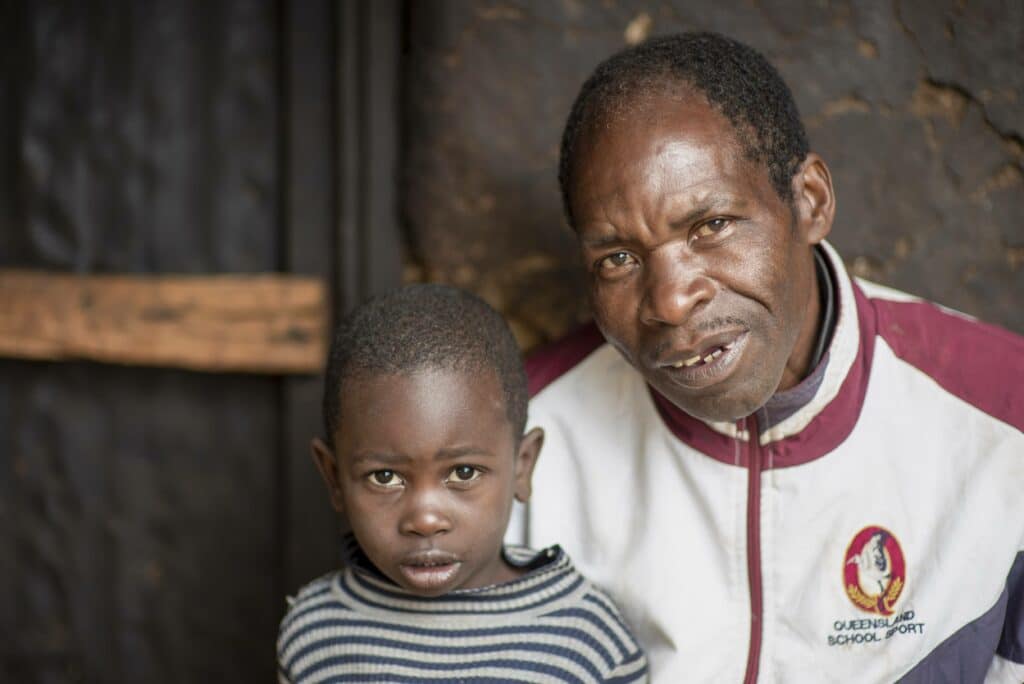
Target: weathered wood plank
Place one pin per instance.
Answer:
(264, 323)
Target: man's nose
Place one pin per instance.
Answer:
(673, 289)
(425, 514)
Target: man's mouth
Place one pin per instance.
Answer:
(706, 356)
(429, 571)
(709, 363)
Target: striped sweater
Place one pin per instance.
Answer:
(550, 625)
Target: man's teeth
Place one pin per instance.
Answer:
(697, 358)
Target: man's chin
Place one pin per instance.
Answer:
(712, 407)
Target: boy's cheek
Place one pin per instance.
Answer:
(373, 509)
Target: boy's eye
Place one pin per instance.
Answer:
(385, 478)
(463, 473)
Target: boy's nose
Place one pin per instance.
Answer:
(672, 291)
(425, 516)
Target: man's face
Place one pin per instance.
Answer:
(700, 274)
(426, 467)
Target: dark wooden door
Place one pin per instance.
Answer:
(153, 519)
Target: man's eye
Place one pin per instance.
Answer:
(710, 228)
(385, 478)
(463, 473)
(616, 260)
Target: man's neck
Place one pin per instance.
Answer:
(787, 402)
(827, 313)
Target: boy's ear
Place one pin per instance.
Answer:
(526, 460)
(326, 463)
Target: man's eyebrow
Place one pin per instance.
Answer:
(707, 205)
(601, 241)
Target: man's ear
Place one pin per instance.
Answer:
(814, 198)
(327, 464)
(526, 460)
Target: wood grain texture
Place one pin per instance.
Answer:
(247, 323)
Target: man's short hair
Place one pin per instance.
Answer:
(420, 327)
(736, 79)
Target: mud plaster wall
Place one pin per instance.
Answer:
(916, 106)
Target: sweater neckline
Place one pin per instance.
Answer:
(550, 577)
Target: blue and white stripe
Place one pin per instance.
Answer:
(550, 625)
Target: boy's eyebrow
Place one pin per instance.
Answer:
(379, 457)
(390, 458)
(459, 452)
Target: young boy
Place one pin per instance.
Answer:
(425, 407)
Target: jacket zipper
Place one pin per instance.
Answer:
(754, 547)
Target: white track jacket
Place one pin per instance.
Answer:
(874, 534)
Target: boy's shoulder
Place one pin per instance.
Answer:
(593, 614)
(315, 591)
(313, 598)
(316, 586)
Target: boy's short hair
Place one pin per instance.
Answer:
(419, 327)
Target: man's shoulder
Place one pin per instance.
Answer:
(975, 361)
(582, 382)
(552, 361)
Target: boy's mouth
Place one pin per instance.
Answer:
(428, 571)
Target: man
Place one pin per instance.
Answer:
(780, 473)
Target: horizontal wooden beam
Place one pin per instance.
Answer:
(263, 323)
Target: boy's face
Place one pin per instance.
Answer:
(425, 468)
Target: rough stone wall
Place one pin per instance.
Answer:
(917, 106)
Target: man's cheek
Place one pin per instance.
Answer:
(611, 309)
(620, 336)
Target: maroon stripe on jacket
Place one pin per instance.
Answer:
(697, 434)
(836, 420)
(826, 431)
(979, 363)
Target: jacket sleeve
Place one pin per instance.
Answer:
(1008, 663)
(1003, 671)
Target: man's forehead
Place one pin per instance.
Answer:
(672, 169)
(687, 132)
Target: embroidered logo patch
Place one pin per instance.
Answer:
(874, 571)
